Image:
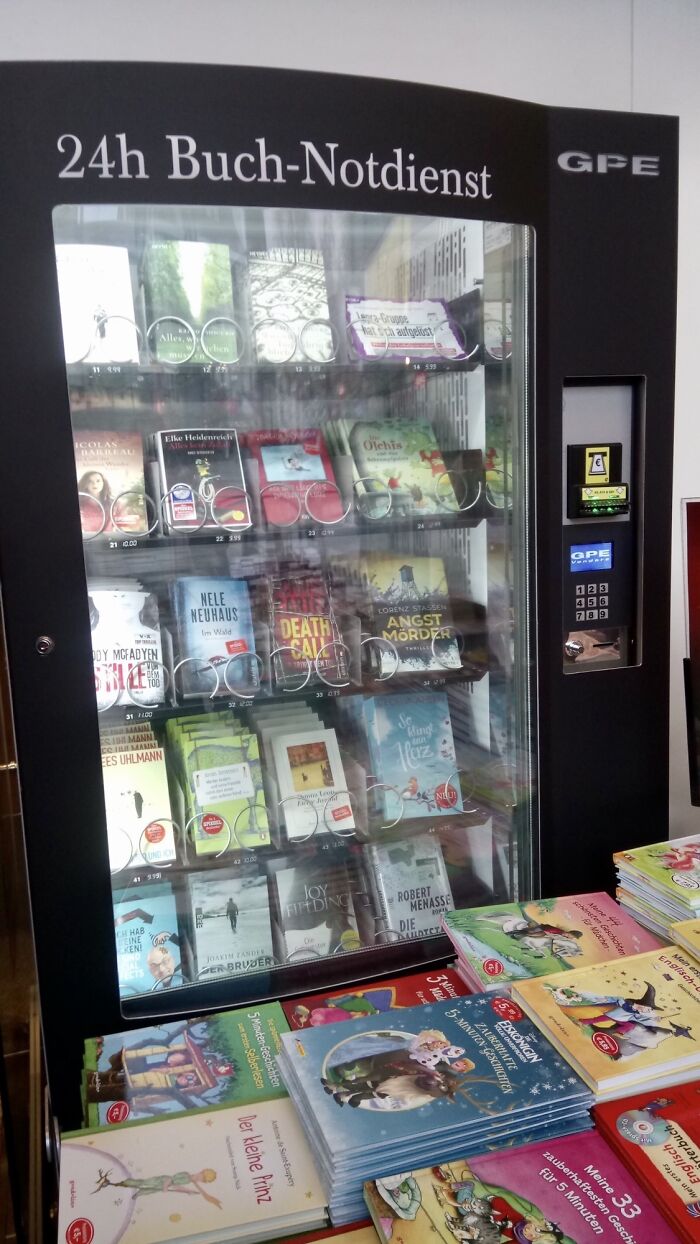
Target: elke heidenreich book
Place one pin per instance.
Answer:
(237, 1173)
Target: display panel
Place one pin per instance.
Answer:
(301, 479)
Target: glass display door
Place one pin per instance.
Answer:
(301, 447)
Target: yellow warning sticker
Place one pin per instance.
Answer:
(597, 464)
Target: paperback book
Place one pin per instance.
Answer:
(397, 461)
(629, 1023)
(297, 483)
(499, 944)
(317, 903)
(313, 791)
(388, 328)
(428, 1084)
(201, 479)
(127, 651)
(214, 626)
(148, 938)
(231, 929)
(412, 754)
(239, 1173)
(139, 822)
(289, 306)
(410, 610)
(97, 303)
(228, 1058)
(660, 883)
(657, 1136)
(686, 933)
(341, 1005)
(188, 292)
(307, 641)
(411, 885)
(109, 469)
(569, 1190)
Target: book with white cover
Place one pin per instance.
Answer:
(127, 650)
(97, 303)
(312, 783)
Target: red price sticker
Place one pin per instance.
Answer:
(154, 832)
(341, 814)
(507, 1009)
(211, 823)
(80, 1231)
(605, 1043)
(446, 795)
(492, 967)
(236, 645)
(118, 1112)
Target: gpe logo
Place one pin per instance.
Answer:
(608, 162)
(589, 554)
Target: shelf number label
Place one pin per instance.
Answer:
(111, 158)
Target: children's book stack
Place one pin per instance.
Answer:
(660, 884)
(515, 941)
(427, 1084)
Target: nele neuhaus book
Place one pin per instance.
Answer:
(239, 1173)
(215, 626)
(568, 1190)
(228, 1058)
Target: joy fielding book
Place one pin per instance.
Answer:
(499, 944)
(657, 1136)
(228, 1058)
(629, 1023)
(570, 1190)
(236, 1173)
(424, 1085)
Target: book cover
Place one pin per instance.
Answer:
(215, 626)
(686, 933)
(126, 647)
(238, 1173)
(190, 282)
(569, 1190)
(411, 610)
(310, 769)
(229, 1058)
(202, 475)
(340, 1005)
(109, 469)
(230, 922)
(412, 751)
(514, 941)
(137, 804)
(623, 1022)
(289, 306)
(465, 1061)
(386, 327)
(297, 461)
(411, 883)
(657, 1136)
(315, 904)
(305, 634)
(147, 936)
(97, 303)
(224, 792)
(400, 459)
(670, 867)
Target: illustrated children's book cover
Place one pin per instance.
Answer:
(624, 1022)
(657, 1136)
(229, 1058)
(297, 483)
(202, 479)
(188, 292)
(239, 1173)
(215, 627)
(686, 933)
(673, 868)
(109, 469)
(570, 1190)
(231, 922)
(417, 989)
(413, 754)
(398, 460)
(514, 941)
(147, 934)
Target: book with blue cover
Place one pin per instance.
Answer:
(425, 1084)
(147, 934)
(215, 626)
(412, 753)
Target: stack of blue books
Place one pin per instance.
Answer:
(425, 1085)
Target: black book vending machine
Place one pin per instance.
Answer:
(334, 521)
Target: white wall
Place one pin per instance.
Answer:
(628, 54)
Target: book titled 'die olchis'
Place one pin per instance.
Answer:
(571, 1190)
(239, 1173)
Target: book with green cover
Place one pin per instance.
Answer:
(670, 870)
(397, 460)
(188, 292)
(229, 1058)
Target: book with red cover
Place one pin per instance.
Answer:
(307, 642)
(296, 476)
(657, 1136)
(375, 998)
